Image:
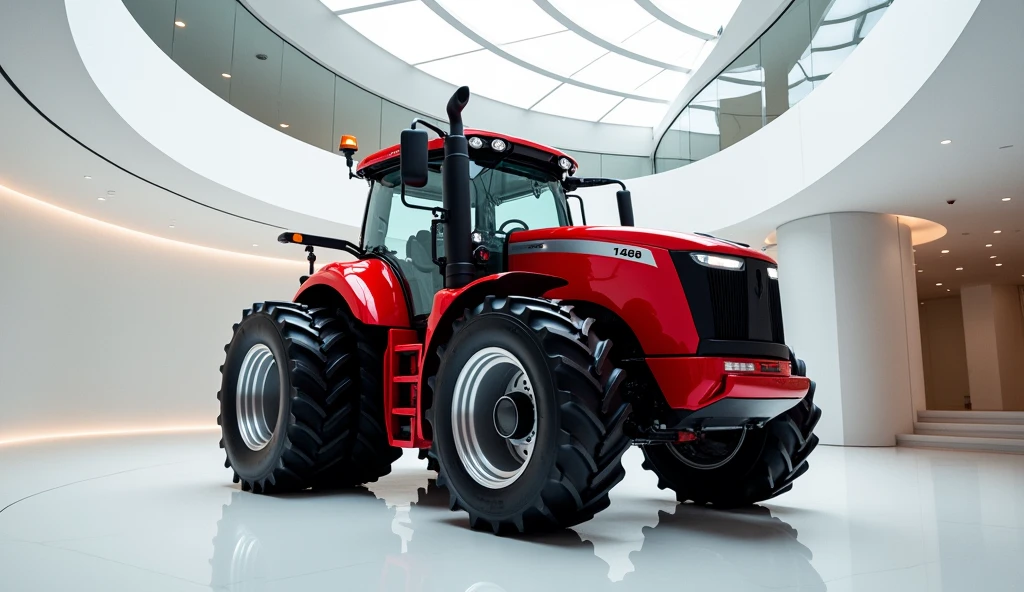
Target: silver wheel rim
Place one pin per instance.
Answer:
(689, 461)
(257, 397)
(490, 459)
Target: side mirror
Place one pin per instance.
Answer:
(414, 157)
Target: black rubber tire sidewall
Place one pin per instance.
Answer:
(254, 465)
(498, 330)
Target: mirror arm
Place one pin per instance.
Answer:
(440, 132)
(414, 206)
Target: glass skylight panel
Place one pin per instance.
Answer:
(703, 121)
(578, 103)
(826, 62)
(704, 15)
(870, 20)
(410, 31)
(617, 72)
(666, 85)
(639, 113)
(336, 5)
(505, 21)
(612, 20)
(847, 8)
(835, 34)
(493, 77)
(563, 53)
(661, 42)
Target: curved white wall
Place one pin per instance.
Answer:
(195, 127)
(110, 329)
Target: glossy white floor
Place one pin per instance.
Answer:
(160, 513)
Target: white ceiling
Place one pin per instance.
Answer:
(609, 61)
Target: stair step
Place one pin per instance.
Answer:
(961, 443)
(971, 430)
(974, 417)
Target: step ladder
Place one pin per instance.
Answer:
(402, 404)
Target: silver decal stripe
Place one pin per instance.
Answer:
(621, 251)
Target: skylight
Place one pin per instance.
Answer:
(614, 61)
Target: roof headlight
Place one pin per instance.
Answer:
(476, 143)
(498, 145)
(564, 163)
(773, 273)
(718, 261)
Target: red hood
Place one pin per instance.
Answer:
(664, 239)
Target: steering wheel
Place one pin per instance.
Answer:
(501, 229)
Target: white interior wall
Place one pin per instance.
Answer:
(945, 353)
(107, 328)
(982, 348)
(1009, 326)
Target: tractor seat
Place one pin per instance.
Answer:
(424, 284)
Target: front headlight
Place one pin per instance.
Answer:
(773, 272)
(718, 261)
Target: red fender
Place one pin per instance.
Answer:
(368, 286)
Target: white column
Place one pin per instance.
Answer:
(994, 336)
(849, 302)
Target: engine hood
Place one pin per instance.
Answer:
(663, 239)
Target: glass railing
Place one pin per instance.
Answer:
(792, 57)
(232, 53)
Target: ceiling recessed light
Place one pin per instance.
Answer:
(944, 251)
(948, 290)
(959, 268)
(944, 142)
(102, 198)
(997, 232)
(989, 245)
(993, 256)
(285, 125)
(179, 24)
(87, 177)
(920, 271)
(999, 264)
(226, 75)
(939, 284)
(171, 226)
(1006, 199)
(255, 245)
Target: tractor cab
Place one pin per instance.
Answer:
(514, 185)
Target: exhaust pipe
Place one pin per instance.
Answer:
(459, 268)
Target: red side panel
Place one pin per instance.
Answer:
(647, 296)
(369, 287)
(693, 383)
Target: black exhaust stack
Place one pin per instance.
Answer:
(459, 268)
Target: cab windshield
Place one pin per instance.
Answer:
(502, 200)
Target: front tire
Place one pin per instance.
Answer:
(527, 417)
(734, 470)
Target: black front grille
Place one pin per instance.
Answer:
(728, 290)
(732, 305)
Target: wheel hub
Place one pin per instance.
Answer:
(494, 418)
(513, 416)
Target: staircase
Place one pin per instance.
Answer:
(985, 431)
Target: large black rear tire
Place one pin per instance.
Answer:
(765, 464)
(300, 405)
(573, 458)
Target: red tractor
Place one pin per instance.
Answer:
(477, 324)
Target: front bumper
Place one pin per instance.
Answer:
(693, 383)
